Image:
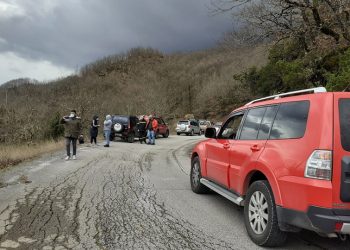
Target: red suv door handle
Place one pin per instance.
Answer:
(226, 145)
(255, 148)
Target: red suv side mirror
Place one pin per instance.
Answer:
(210, 133)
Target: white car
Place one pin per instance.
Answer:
(217, 126)
(203, 124)
(188, 127)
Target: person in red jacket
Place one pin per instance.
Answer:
(152, 127)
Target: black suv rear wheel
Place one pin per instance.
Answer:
(112, 137)
(131, 138)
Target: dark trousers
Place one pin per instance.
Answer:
(72, 140)
(93, 139)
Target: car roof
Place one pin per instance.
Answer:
(280, 100)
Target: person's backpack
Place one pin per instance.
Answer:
(81, 139)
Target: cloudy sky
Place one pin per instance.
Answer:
(46, 39)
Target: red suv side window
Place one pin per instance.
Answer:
(252, 123)
(231, 127)
(344, 114)
(290, 122)
(265, 127)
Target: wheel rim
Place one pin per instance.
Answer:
(195, 174)
(258, 212)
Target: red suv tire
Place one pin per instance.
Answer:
(260, 216)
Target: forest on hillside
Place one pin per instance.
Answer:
(281, 45)
(311, 41)
(141, 81)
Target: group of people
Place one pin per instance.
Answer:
(147, 128)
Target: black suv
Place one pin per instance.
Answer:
(124, 127)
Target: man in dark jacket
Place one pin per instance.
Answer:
(72, 130)
(141, 128)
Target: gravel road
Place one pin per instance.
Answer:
(128, 196)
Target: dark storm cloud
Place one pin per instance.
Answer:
(72, 33)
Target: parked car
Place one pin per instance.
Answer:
(203, 124)
(286, 159)
(188, 127)
(163, 128)
(124, 127)
(217, 126)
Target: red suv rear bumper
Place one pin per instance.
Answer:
(321, 220)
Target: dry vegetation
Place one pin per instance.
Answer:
(140, 81)
(15, 154)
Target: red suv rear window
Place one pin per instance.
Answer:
(344, 114)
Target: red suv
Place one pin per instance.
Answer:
(163, 128)
(286, 159)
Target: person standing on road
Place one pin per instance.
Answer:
(141, 128)
(107, 127)
(94, 130)
(152, 127)
(72, 130)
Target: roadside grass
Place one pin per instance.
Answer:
(11, 155)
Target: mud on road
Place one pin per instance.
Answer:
(129, 196)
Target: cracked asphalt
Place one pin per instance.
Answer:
(128, 196)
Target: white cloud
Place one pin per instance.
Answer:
(72, 33)
(12, 67)
(10, 9)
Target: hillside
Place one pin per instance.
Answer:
(140, 81)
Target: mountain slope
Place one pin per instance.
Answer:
(138, 82)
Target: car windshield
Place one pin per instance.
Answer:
(183, 122)
(202, 123)
(120, 119)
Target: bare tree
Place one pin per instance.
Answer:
(307, 20)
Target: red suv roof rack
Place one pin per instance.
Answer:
(293, 93)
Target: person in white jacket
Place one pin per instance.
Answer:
(107, 126)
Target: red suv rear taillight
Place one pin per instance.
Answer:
(319, 165)
(338, 226)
